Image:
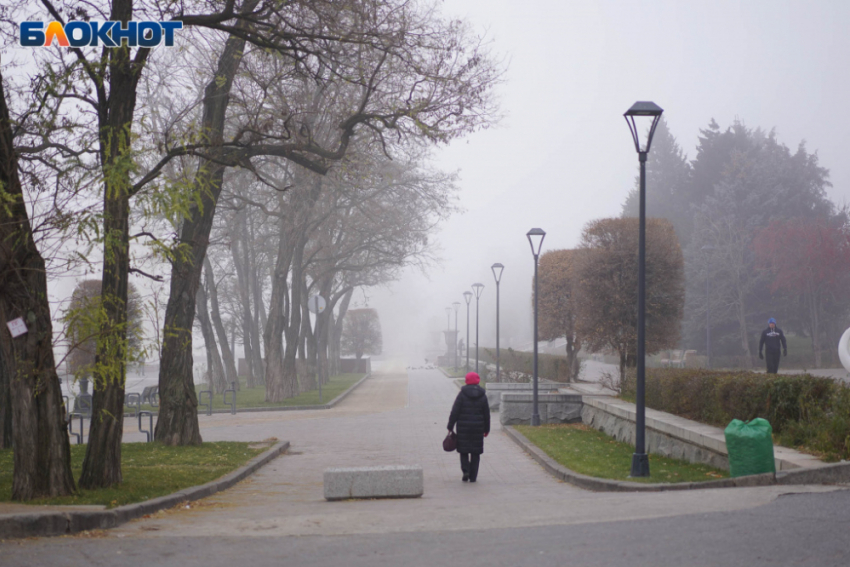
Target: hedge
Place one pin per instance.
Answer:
(807, 412)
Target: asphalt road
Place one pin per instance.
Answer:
(794, 530)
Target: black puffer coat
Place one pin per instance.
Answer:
(471, 413)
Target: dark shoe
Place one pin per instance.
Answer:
(473, 480)
(466, 478)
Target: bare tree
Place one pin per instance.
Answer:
(361, 333)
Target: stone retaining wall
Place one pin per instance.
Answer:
(657, 442)
(516, 409)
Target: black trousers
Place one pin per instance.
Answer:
(469, 464)
(772, 359)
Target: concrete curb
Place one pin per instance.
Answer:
(63, 523)
(328, 405)
(447, 375)
(604, 485)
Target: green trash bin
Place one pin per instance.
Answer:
(750, 447)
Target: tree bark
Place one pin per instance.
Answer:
(178, 415)
(5, 404)
(214, 365)
(102, 463)
(253, 280)
(336, 337)
(307, 345)
(215, 314)
(245, 297)
(35, 422)
(279, 385)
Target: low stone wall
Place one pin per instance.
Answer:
(495, 390)
(657, 442)
(355, 365)
(516, 409)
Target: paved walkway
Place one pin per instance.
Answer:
(399, 418)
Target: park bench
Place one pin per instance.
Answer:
(82, 410)
(396, 481)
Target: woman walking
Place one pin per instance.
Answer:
(471, 413)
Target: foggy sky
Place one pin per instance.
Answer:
(563, 155)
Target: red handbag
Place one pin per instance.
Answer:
(450, 442)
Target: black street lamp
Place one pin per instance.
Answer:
(467, 295)
(456, 305)
(497, 273)
(707, 249)
(649, 114)
(477, 289)
(535, 238)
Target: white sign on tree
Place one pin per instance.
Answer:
(17, 327)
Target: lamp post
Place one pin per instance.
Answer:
(707, 249)
(467, 295)
(448, 330)
(649, 114)
(456, 305)
(497, 274)
(477, 289)
(535, 238)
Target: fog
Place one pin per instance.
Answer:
(562, 155)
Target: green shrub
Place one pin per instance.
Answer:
(805, 411)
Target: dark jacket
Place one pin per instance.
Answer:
(772, 339)
(471, 413)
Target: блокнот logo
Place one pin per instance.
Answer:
(107, 34)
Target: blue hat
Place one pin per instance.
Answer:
(771, 320)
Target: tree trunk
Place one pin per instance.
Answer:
(102, 463)
(5, 402)
(244, 296)
(307, 345)
(35, 422)
(321, 334)
(214, 366)
(278, 387)
(336, 337)
(178, 414)
(253, 278)
(215, 314)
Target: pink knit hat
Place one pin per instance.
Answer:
(473, 378)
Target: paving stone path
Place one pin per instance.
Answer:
(399, 417)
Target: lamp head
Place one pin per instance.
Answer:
(497, 272)
(647, 114)
(467, 295)
(456, 305)
(535, 238)
(477, 288)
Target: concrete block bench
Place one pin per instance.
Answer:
(374, 482)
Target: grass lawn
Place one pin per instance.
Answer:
(149, 470)
(587, 451)
(256, 397)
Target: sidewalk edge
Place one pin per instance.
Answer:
(328, 405)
